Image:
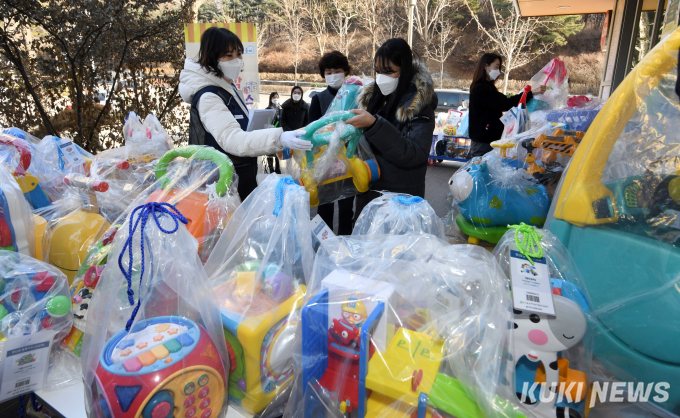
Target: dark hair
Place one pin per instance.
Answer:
(297, 88)
(216, 43)
(398, 52)
(271, 96)
(302, 92)
(334, 59)
(480, 72)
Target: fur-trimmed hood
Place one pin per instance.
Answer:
(414, 101)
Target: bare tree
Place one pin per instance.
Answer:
(447, 36)
(515, 37)
(393, 20)
(292, 15)
(426, 17)
(345, 11)
(370, 14)
(317, 12)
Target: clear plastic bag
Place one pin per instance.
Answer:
(491, 194)
(56, 157)
(153, 343)
(617, 212)
(34, 299)
(17, 226)
(398, 214)
(541, 340)
(207, 197)
(17, 150)
(555, 77)
(259, 270)
(146, 140)
(341, 163)
(402, 326)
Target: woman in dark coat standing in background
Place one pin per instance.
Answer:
(487, 104)
(398, 121)
(295, 112)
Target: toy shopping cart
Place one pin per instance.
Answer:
(449, 148)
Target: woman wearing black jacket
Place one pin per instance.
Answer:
(398, 121)
(295, 111)
(487, 104)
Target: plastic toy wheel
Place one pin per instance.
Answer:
(473, 240)
(431, 162)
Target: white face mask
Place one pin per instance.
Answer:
(296, 97)
(493, 74)
(275, 101)
(386, 84)
(335, 81)
(232, 68)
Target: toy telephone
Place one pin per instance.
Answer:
(164, 367)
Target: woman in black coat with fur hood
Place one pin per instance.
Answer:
(398, 121)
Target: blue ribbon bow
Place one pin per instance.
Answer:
(144, 211)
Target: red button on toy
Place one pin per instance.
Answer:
(190, 400)
(190, 412)
(161, 410)
(204, 403)
(203, 392)
(206, 413)
(16, 294)
(44, 281)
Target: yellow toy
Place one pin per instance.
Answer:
(504, 146)
(69, 237)
(259, 331)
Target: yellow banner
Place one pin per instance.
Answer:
(246, 32)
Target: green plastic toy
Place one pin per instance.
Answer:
(198, 152)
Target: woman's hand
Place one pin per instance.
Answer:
(538, 90)
(363, 119)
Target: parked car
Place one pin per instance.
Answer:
(311, 92)
(452, 99)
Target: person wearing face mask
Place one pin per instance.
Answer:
(273, 160)
(219, 116)
(487, 104)
(295, 111)
(397, 116)
(334, 67)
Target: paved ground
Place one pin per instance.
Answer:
(436, 189)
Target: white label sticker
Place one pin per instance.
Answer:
(320, 232)
(24, 363)
(531, 289)
(509, 117)
(70, 152)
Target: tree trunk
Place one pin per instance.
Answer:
(505, 81)
(441, 75)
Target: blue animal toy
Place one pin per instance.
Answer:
(487, 208)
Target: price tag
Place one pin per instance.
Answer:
(24, 363)
(70, 152)
(320, 232)
(530, 284)
(509, 117)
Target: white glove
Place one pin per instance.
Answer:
(292, 140)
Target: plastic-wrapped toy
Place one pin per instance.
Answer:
(398, 214)
(68, 236)
(555, 77)
(30, 184)
(33, 298)
(402, 326)
(208, 212)
(16, 220)
(146, 139)
(55, 158)
(259, 270)
(340, 163)
(489, 201)
(83, 286)
(153, 344)
(616, 210)
(552, 350)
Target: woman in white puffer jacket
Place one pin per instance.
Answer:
(219, 116)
